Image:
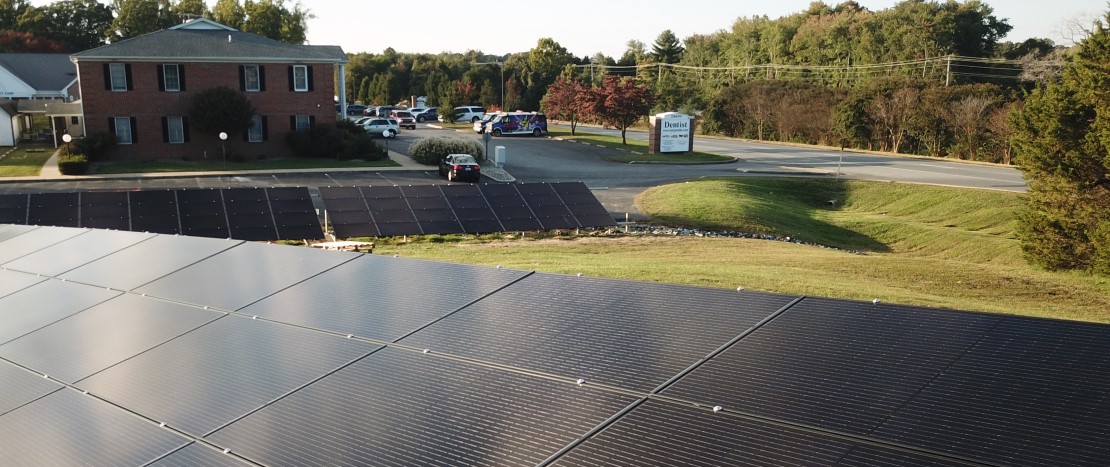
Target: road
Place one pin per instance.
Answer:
(616, 185)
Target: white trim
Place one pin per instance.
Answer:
(130, 131)
(257, 78)
(256, 122)
(203, 23)
(169, 129)
(307, 122)
(300, 88)
(112, 67)
(165, 77)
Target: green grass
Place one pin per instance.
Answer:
(26, 160)
(916, 245)
(614, 142)
(156, 166)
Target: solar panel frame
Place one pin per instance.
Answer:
(480, 226)
(197, 454)
(288, 193)
(34, 239)
(421, 191)
(468, 202)
(154, 211)
(428, 203)
(21, 387)
(52, 300)
(596, 221)
(76, 251)
(570, 188)
(54, 209)
(381, 191)
(395, 229)
(355, 230)
(339, 192)
(10, 231)
(159, 257)
(14, 281)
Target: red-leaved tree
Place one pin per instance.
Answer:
(620, 102)
(565, 99)
(25, 42)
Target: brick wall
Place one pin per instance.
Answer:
(147, 105)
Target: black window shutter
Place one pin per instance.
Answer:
(107, 77)
(165, 129)
(185, 127)
(242, 78)
(181, 77)
(134, 132)
(312, 121)
(308, 71)
(265, 129)
(247, 135)
(293, 122)
(261, 78)
(127, 70)
(161, 77)
(111, 125)
(291, 88)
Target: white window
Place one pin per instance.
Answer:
(119, 76)
(171, 77)
(175, 130)
(251, 80)
(303, 123)
(254, 133)
(300, 78)
(123, 130)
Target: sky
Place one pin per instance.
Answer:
(587, 27)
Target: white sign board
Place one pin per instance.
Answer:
(674, 132)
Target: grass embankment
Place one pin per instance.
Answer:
(26, 160)
(158, 166)
(918, 245)
(614, 142)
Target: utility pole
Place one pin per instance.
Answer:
(948, 70)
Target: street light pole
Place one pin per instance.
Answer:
(223, 147)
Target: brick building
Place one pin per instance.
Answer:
(140, 90)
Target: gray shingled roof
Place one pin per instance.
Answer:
(44, 72)
(211, 45)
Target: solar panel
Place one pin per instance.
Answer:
(424, 215)
(13, 209)
(529, 189)
(350, 217)
(70, 428)
(422, 411)
(468, 202)
(53, 209)
(252, 227)
(478, 226)
(206, 283)
(159, 256)
(103, 198)
(1031, 391)
(107, 223)
(583, 210)
(551, 210)
(389, 217)
(105, 210)
(76, 251)
(35, 239)
(371, 192)
(595, 221)
(868, 361)
(366, 296)
(14, 281)
(628, 334)
(221, 371)
(340, 192)
(498, 189)
(521, 224)
(202, 213)
(335, 205)
(387, 204)
(428, 203)
(475, 214)
(570, 188)
(21, 386)
(440, 227)
(452, 191)
(658, 433)
(356, 230)
(394, 229)
(52, 300)
(8, 231)
(288, 193)
(558, 222)
(154, 211)
(421, 191)
(103, 335)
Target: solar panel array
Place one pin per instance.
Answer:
(372, 211)
(120, 348)
(257, 214)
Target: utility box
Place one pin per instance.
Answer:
(499, 156)
(671, 132)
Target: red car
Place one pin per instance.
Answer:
(404, 118)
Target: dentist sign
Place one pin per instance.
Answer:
(673, 132)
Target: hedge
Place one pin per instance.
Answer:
(429, 151)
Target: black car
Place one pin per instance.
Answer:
(355, 109)
(428, 115)
(460, 167)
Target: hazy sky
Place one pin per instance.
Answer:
(588, 27)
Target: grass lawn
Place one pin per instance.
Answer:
(906, 244)
(614, 142)
(26, 160)
(120, 167)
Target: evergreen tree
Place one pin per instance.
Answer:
(1062, 142)
(667, 48)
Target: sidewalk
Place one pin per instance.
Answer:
(405, 163)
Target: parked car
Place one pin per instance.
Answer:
(404, 118)
(460, 167)
(379, 111)
(468, 113)
(517, 123)
(480, 125)
(386, 127)
(423, 115)
(355, 109)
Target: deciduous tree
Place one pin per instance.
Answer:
(620, 102)
(220, 109)
(564, 101)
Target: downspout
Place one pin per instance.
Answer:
(342, 92)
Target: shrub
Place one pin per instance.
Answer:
(94, 145)
(343, 141)
(429, 151)
(73, 164)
